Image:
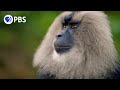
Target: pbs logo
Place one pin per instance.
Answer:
(8, 19)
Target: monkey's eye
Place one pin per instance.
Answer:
(74, 25)
(64, 25)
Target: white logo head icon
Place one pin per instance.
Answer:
(8, 19)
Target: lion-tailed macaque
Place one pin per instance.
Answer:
(78, 45)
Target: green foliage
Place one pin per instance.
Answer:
(114, 17)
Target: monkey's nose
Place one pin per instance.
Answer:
(59, 35)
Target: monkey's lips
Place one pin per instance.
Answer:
(61, 49)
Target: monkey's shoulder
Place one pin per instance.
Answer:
(111, 75)
(115, 74)
(46, 76)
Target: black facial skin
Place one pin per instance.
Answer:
(64, 40)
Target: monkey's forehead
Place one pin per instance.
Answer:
(77, 15)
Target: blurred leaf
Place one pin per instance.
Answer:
(6, 37)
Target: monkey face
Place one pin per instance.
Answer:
(64, 41)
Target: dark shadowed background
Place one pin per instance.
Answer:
(19, 41)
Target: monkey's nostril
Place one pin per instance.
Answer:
(59, 35)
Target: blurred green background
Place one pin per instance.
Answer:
(19, 41)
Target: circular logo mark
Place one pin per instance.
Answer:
(8, 19)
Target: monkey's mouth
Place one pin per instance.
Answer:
(61, 49)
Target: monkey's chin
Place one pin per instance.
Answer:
(61, 50)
